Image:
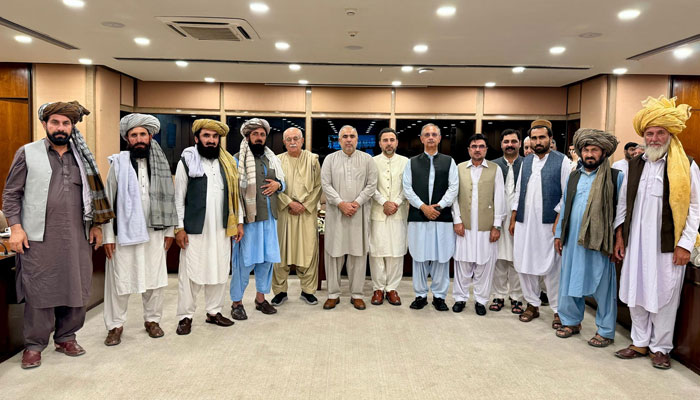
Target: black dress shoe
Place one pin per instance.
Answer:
(419, 303)
(459, 306)
(238, 312)
(440, 304)
(480, 308)
(184, 327)
(218, 319)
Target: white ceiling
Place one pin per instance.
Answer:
(484, 32)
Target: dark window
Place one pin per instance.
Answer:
(325, 134)
(454, 136)
(274, 140)
(492, 130)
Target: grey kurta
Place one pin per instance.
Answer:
(57, 271)
(348, 178)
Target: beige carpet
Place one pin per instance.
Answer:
(304, 352)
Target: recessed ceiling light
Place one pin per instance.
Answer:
(557, 49)
(85, 61)
(303, 82)
(142, 41)
(181, 63)
(490, 84)
(446, 11)
(420, 48)
(682, 53)
(294, 67)
(259, 8)
(619, 71)
(407, 68)
(74, 3)
(209, 79)
(23, 39)
(627, 15)
(518, 70)
(282, 45)
(396, 83)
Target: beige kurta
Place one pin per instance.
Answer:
(298, 234)
(388, 233)
(348, 178)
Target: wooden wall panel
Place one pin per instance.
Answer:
(687, 89)
(351, 100)
(525, 101)
(188, 95)
(574, 99)
(14, 133)
(594, 102)
(106, 116)
(436, 100)
(257, 97)
(59, 82)
(14, 81)
(127, 91)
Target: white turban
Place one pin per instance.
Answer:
(131, 121)
(253, 124)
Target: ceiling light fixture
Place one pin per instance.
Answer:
(629, 14)
(142, 41)
(407, 68)
(23, 39)
(446, 11)
(74, 3)
(518, 70)
(425, 70)
(209, 79)
(85, 61)
(682, 52)
(490, 84)
(181, 63)
(396, 83)
(259, 8)
(294, 67)
(282, 45)
(303, 82)
(557, 50)
(619, 71)
(420, 48)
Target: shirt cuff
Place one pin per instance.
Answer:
(686, 244)
(14, 220)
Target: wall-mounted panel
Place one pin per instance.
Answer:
(524, 101)
(14, 81)
(351, 100)
(106, 116)
(687, 89)
(255, 97)
(127, 91)
(436, 100)
(187, 95)
(573, 105)
(58, 82)
(594, 102)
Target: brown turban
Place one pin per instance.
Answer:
(586, 137)
(216, 126)
(73, 110)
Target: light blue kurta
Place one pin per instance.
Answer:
(585, 272)
(431, 240)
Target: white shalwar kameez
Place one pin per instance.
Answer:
(506, 281)
(650, 284)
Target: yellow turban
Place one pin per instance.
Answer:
(664, 113)
(217, 126)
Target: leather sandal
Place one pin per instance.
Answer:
(497, 305)
(568, 331)
(600, 341)
(531, 312)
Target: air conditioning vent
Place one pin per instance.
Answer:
(211, 28)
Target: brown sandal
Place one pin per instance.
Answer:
(530, 313)
(556, 322)
(599, 341)
(568, 331)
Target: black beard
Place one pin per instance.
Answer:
(208, 152)
(62, 141)
(140, 152)
(592, 165)
(542, 150)
(258, 149)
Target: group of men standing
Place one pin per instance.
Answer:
(511, 225)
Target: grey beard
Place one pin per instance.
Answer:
(654, 153)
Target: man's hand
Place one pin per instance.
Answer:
(270, 187)
(495, 234)
(430, 212)
(348, 209)
(681, 256)
(296, 208)
(511, 227)
(557, 245)
(109, 250)
(390, 208)
(167, 243)
(181, 239)
(619, 250)
(239, 234)
(96, 236)
(459, 229)
(554, 227)
(18, 239)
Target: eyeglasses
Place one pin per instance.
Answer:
(292, 139)
(477, 146)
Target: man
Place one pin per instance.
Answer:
(209, 213)
(431, 183)
(527, 149)
(261, 178)
(535, 209)
(630, 153)
(387, 244)
(349, 180)
(656, 228)
(54, 203)
(297, 227)
(478, 214)
(140, 186)
(585, 232)
(506, 281)
(639, 150)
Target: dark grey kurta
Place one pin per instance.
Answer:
(57, 271)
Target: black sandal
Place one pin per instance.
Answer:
(497, 305)
(516, 307)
